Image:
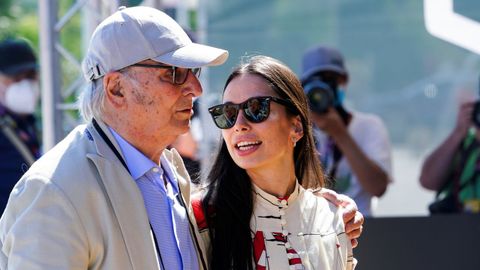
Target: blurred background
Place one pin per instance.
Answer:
(413, 78)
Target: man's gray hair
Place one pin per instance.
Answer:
(91, 101)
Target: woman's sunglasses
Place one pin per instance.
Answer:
(255, 110)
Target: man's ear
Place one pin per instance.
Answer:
(114, 92)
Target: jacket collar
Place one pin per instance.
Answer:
(102, 148)
(269, 199)
(117, 184)
(125, 199)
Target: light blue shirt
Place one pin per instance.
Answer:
(167, 216)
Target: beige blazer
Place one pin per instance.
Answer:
(77, 207)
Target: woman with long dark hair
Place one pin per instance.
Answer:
(261, 213)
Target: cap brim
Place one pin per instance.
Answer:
(332, 68)
(194, 55)
(17, 69)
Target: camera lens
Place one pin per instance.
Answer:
(476, 114)
(320, 96)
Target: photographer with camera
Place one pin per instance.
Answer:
(453, 168)
(354, 147)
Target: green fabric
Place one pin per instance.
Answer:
(471, 187)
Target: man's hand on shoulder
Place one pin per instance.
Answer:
(352, 218)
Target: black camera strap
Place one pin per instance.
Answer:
(336, 152)
(337, 156)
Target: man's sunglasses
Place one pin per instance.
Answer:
(179, 75)
(255, 110)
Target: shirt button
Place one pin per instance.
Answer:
(155, 170)
(287, 245)
(283, 221)
(283, 202)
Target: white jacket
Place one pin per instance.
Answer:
(303, 231)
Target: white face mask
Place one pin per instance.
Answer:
(22, 97)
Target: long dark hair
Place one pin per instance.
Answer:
(229, 191)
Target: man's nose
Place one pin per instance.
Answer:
(192, 85)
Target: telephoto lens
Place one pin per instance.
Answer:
(476, 114)
(320, 95)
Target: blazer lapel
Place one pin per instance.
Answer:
(184, 184)
(126, 202)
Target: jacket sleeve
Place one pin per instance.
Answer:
(40, 229)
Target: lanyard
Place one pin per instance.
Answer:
(120, 158)
(182, 202)
(332, 157)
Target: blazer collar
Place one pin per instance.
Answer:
(102, 148)
(125, 199)
(117, 184)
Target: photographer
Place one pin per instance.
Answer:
(452, 169)
(354, 147)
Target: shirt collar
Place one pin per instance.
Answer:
(167, 169)
(273, 199)
(138, 164)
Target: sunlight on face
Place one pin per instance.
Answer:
(258, 145)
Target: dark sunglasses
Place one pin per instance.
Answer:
(255, 110)
(179, 75)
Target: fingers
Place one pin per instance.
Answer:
(330, 195)
(354, 243)
(355, 233)
(352, 218)
(466, 110)
(354, 228)
(468, 104)
(353, 236)
(347, 202)
(338, 200)
(349, 214)
(319, 120)
(354, 225)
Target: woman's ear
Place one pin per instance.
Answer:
(297, 128)
(114, 92)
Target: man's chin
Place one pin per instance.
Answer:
(184, 126)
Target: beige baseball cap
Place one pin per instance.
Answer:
(135, 34)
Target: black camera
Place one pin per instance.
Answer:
(476, 114)
(319, 94)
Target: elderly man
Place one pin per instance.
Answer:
(77, 207)
(110, 196)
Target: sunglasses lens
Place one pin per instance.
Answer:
(224, 115)
(181, 74)
(196, 72)
(257, 109)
